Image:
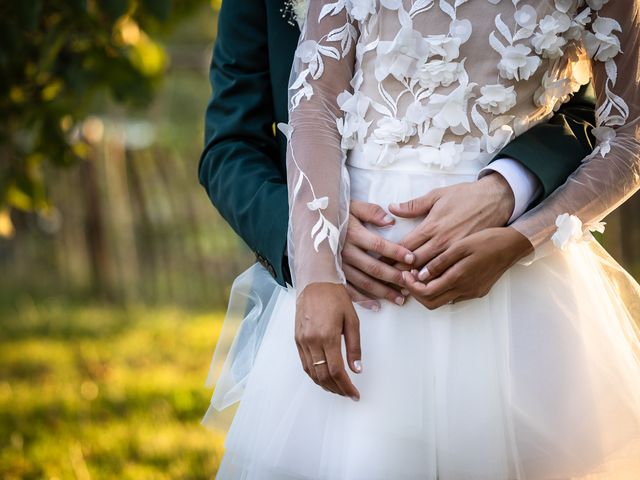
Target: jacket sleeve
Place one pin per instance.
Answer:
(239, 167)
(553, 150)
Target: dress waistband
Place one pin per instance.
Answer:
(419, 160)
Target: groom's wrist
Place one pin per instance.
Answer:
(524, 185)
(501, 196)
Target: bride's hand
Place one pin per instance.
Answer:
(469, 267)
(370, 278)
(324, 313)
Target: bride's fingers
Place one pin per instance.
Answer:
(371, 286)
(361, 299)
(371, 265)
(371, 242)
(321, 370)
(352, 342)
(337, 372)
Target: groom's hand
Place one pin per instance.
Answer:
(369, 276)
(453, 213)
(469, 267)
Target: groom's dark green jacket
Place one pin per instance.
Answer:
(243, 163)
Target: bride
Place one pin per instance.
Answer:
(540, 378)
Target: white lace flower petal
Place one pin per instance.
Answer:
(318, 203)
(569, 230)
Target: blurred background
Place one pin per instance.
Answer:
(114, 267)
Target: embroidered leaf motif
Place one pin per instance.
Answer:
(612, 71)
(479, 120)
(331, 9)
(503, 29)
(420, 6)
(448, 9)
(496, 44)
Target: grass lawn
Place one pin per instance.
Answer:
(97, 392)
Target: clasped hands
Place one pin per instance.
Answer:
(458, 250)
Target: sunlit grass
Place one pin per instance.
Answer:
(93, 392)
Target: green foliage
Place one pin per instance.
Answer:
(103, 393)
(56, 56)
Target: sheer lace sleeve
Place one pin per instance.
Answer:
(316, 173)
(611, 174)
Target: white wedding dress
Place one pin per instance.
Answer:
(540, 379)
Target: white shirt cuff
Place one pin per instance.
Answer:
(524, 184)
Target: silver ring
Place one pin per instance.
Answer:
(319, 362)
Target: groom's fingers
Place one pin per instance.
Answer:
(371, 286)
(443, 261)
(370, 213)
(416, 207)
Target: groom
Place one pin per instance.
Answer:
(243, 163)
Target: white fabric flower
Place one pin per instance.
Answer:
(461, 29)
(602, 44)
(436, 73)
(553, 92)
(451, 110)
(517, 63)
(399, 57)
(497, 99)
(353, 127)
(450, 154)
(361, 9)
(569, 230)
(493, 142)
(391, 4)
(597, 4)
(604, 135)
(549, 41)
(393, 130)
(381, 155)
(526, 17)
(578, 25)
(444, 46)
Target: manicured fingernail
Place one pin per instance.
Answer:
(424, 274)
(357, 364)
(388, 219)
(404, 291)
(355, 399)
(406, 276)
(395, 206)
(370, 305)
(400, 301)
(409, 258)
(414, 272)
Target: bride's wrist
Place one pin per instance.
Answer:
(519, 246)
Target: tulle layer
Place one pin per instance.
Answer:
(538, 380)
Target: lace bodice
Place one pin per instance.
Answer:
(454, 80)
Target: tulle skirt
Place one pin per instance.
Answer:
(540, 379)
